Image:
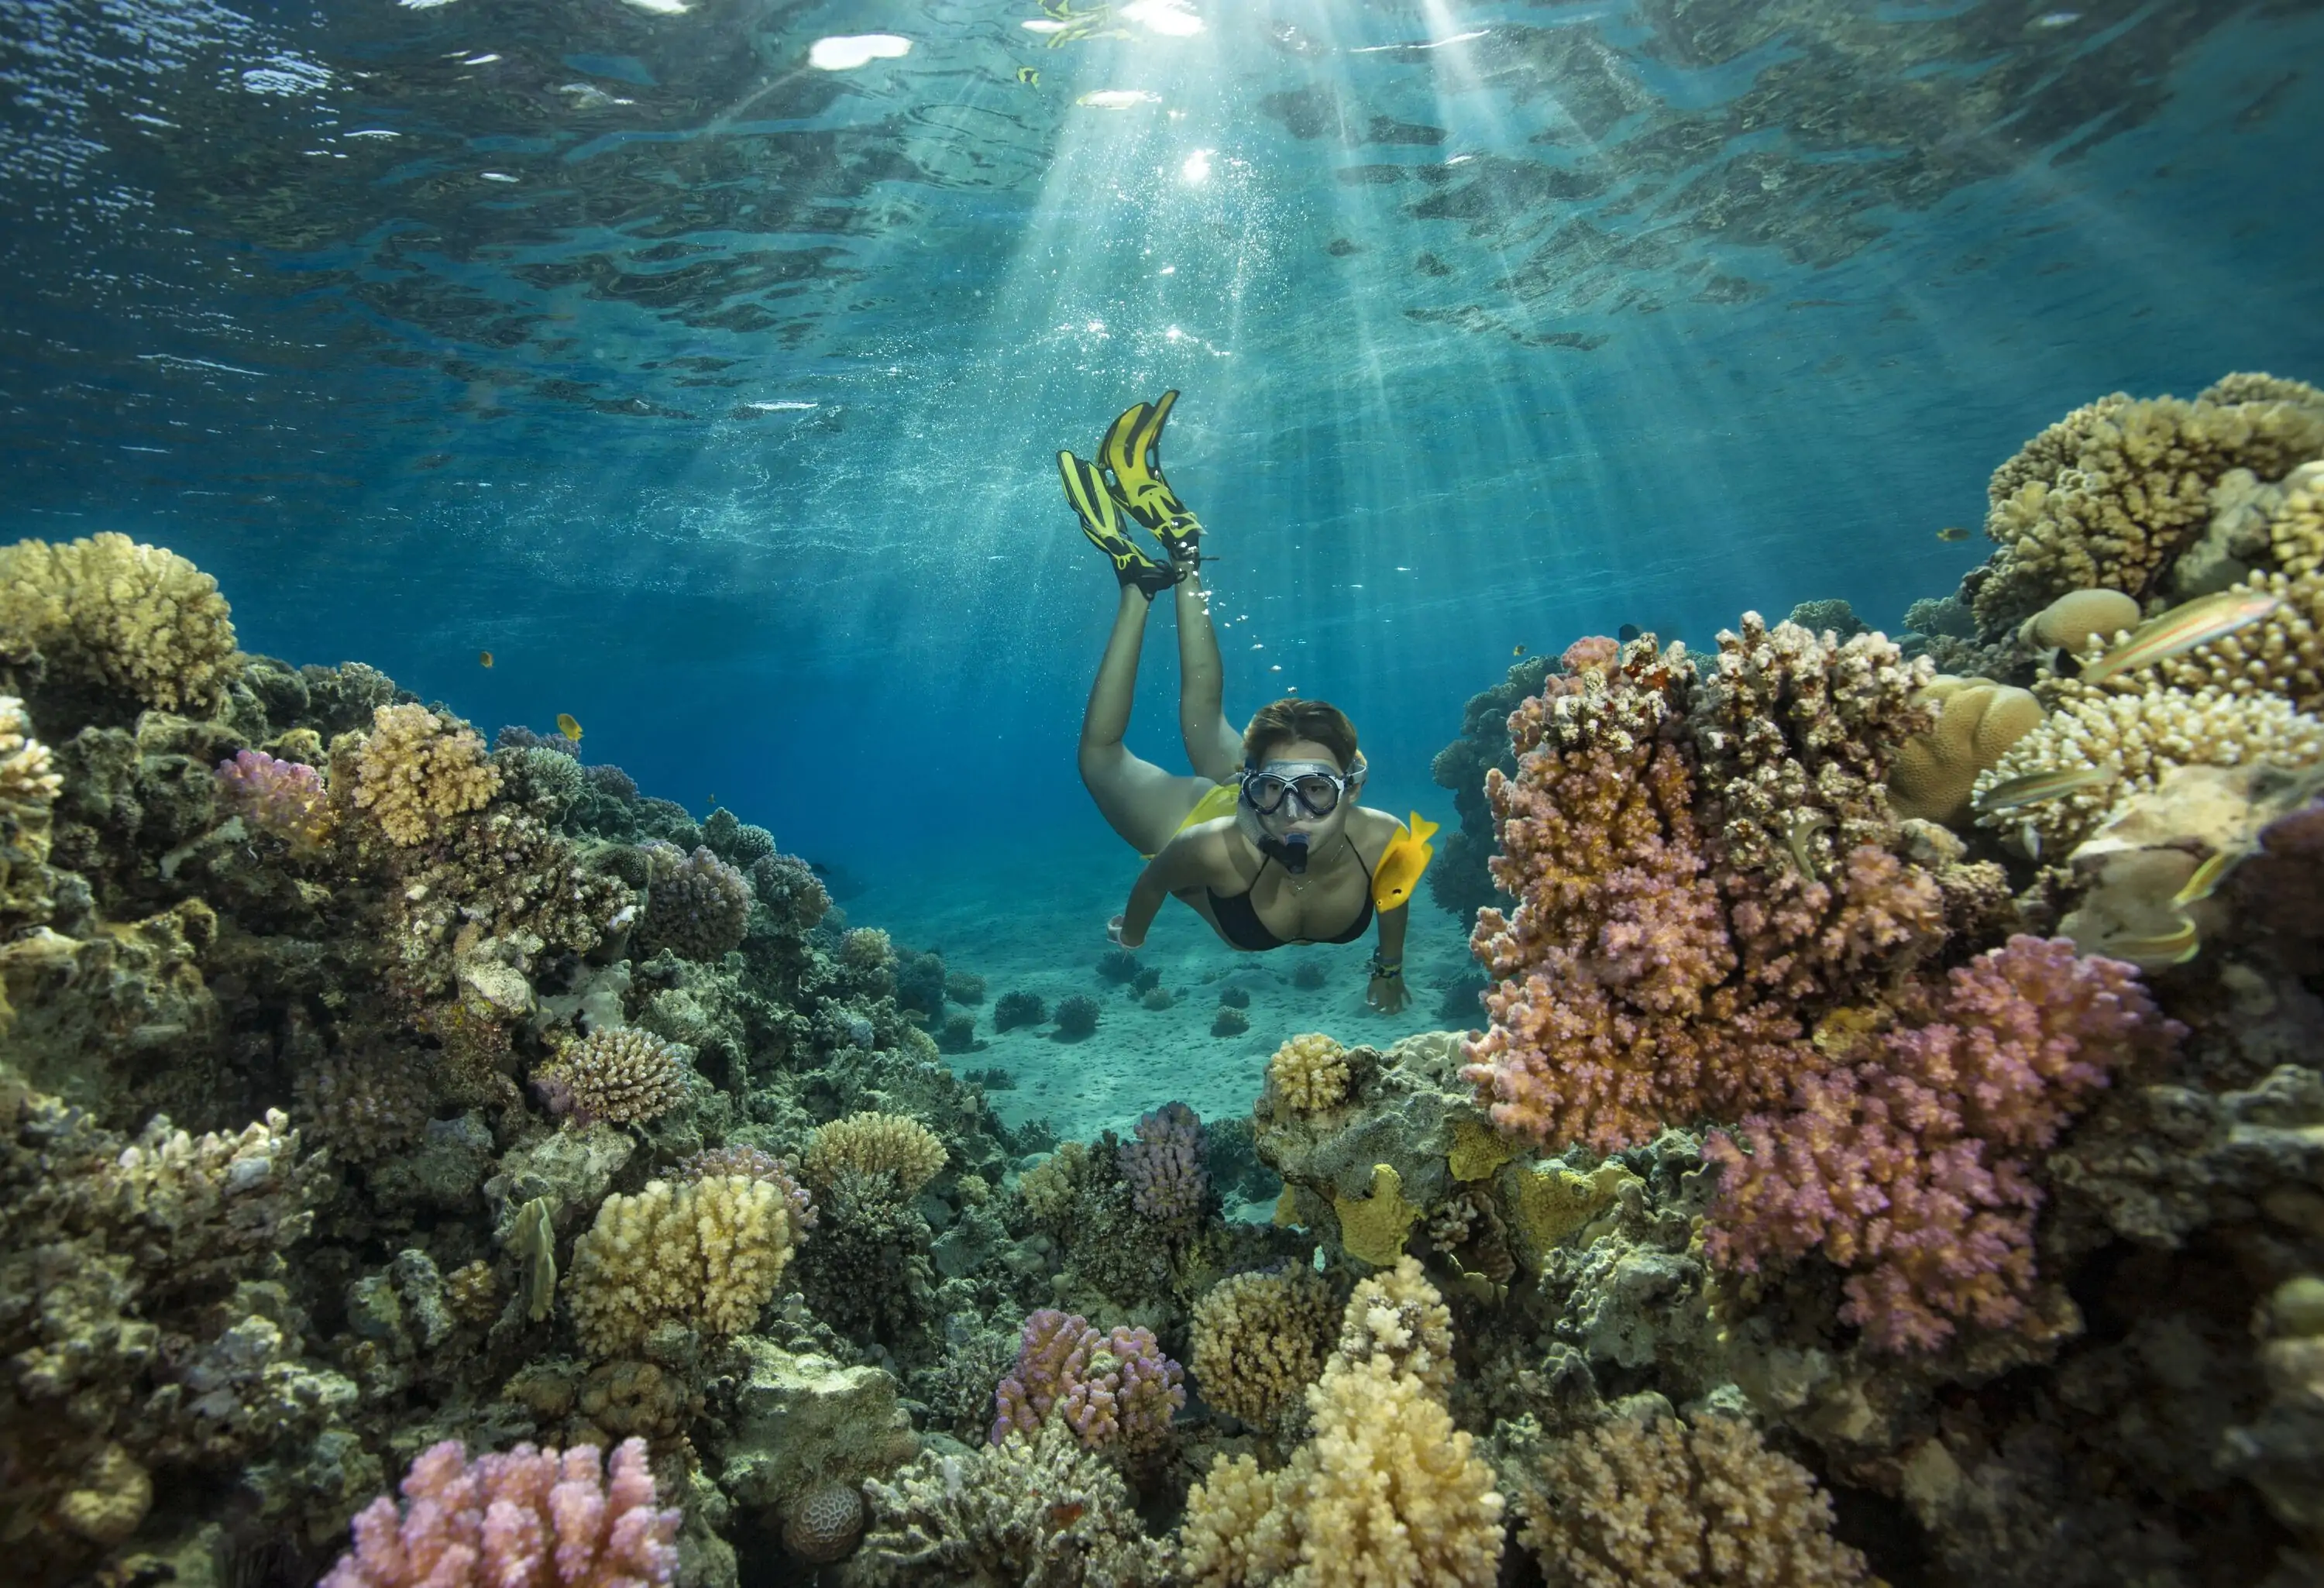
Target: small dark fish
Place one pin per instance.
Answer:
(485, 657)
(1952, 532)
(1627, 633)
(1516, 651)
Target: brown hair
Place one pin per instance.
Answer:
(1281, 721)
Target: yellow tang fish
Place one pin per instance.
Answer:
(2036, 787)
(2182, 628)
(1407, 855)
(567, 726)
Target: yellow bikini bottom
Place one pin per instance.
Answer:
(1220, 802)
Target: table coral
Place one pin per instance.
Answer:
(1163, 1163)
(417, 770)
(1912, 1167)
(2139, 737)
(625, 1075)
(1385, 1490)
(874, 1143)
(1660, 1504)
(1258, 1341)
(530, 1518)
(126, 617)
(705, 1253)
(1114, 1389)
(2109, 495)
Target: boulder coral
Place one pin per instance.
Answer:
(116, 615)
(707, 1253)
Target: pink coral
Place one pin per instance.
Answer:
(530, 1518)
(1108, 1388)
(1910, 1167)
(285, 799)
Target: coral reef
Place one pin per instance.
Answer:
(1077, 1016)
(1310, 1072)
(623, 1076)
(1163, 1165)
(707, 1253)
(1115, 1390)
(697, 906)
(873, 1143)
(1258, 1340)
(115, 617)
(1018, 1009)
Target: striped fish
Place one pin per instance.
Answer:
(2036, 787)
(2181, 629)
(2160, 951)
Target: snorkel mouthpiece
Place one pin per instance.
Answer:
(1291, 854)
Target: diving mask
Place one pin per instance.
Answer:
(1316, 786)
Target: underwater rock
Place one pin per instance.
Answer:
(801, 1420)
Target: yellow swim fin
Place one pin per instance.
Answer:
(1132, 455)
(1085, 490)
(1406, 856)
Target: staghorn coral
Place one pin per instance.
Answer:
(2140, 737)
(1258, 1340)
(2110, 494)
(1115, 1390)
(1077, 1016)
(1036, 1511)
(1912, 1167)
(874, 1143)
(1164, 1164)
(867, 1273)
(284, 799)
(696, 905)
(1384, 1491)
(1310, 1071)
(416, 771)
(530, 1518)
(705, 1253)
(624, 1075)
(1664, 1503)
(122, 616)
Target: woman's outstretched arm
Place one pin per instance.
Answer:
(1385, 991)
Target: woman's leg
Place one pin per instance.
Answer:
(1213, 747)
(1139, 799)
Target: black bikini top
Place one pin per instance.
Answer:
(1239, 921)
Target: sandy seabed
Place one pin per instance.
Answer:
(1037, 925)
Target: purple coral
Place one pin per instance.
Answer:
(1116, 1388)
(516, 737)
(696, 905)
(530, 1518)
(749, 1162)
(285, 799)
(1912, 1167)
(1164, 1166)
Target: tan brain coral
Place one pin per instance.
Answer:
(418, 771)
(1977, 720)
(705, 1253)
(2109, 495)
(133, 618)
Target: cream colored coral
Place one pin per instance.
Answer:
(419, 769)
(874, 1143)
(2139, 737)
(2280, 654)
(1310, 1072)
(1977, 721)
(135, 618)
(2108, 497)
(1671, 1505)
(28, 788)
(707, 1253)
(26, 778)
(1260, 1340)
(1385, 1491)
(1049, 1188)
(2078, 616)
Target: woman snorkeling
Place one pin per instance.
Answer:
(1265, 840)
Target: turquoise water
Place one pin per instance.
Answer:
(716, 396)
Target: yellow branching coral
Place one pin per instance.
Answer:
(1385, 1489)
(707, 1253)
(1396, 1314)
(138, 619)
(419, 768)
(1310, 1072)
(1260, 1340)
(1373, 1227)
(28, 788)
(1670, 1505)
(1047, 1190)
(2109, 495)
(875, 1144)
(2137, 738)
